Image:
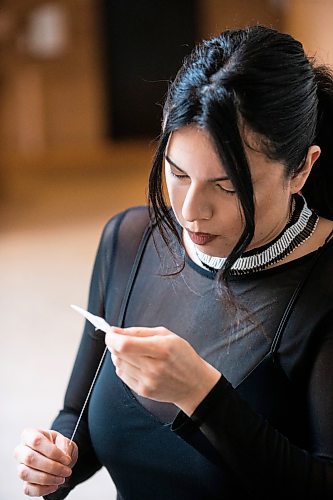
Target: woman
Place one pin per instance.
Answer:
(219, 384)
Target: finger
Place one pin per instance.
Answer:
(43, 442)
(62, 442)
(142, 382)
(68, 446)
(33, 459)
(50, 434)
(138, 331)
(140, 346)
(36, 490)
(122, 359)
(37, 477)
(139, 386)
(131, 382)
(123, 367)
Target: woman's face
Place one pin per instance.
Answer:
(203, 198)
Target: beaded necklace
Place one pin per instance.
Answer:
(300, 227)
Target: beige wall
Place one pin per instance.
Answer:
(217, 15)
(311, 21)
(57, 104)
(47, 103)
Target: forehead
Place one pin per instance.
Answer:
(192, 149)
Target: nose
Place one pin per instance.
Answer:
(196, 205)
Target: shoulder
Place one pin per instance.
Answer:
(314, 243)
(320, 284)
(324, 231)
(121, 235)
(129, 221)
(325, 250)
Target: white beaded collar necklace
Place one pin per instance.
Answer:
(300, 227)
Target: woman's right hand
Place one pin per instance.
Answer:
(45, 460)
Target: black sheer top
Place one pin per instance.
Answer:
(264, 431)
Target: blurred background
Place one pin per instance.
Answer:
(81, 88)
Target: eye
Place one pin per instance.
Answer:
(178, 176)
(227, 191)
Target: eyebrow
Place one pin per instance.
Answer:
(217, 179)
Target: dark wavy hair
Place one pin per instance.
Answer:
(262, 78)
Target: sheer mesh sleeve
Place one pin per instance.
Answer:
(89, 354)
(266, 462)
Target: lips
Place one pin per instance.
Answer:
(201, 238)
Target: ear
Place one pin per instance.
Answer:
(299, 179)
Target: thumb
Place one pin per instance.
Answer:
(68, 447)
(138, 331)
(51, 435)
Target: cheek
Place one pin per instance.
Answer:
(230, 215)
(176, 195)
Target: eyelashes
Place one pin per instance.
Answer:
(178, 176)
(227, 191)
(182, 177)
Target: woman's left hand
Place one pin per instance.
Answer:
(160, 365)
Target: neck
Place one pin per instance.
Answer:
(265, 239)
(298, 229)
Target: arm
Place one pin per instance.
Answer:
(118, 246)
(89, 354)
(266, 462)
